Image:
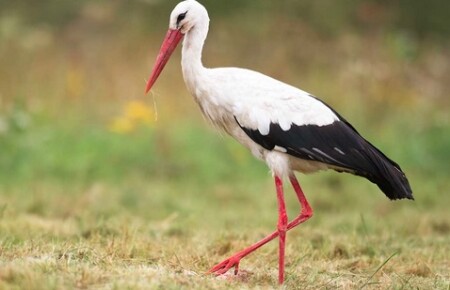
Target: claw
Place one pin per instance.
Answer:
(226, 265)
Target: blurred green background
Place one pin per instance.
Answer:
(80, 142)
(67, 68)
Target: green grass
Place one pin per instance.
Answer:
(82, 207)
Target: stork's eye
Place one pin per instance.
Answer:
(181, 17)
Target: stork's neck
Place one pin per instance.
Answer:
(191, 63)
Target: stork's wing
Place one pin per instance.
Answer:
(337, 144)
(299, 124)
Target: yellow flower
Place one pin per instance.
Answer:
(122, 125)
(135, 113)
(139, 112)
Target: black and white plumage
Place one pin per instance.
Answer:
(287, 128)
(340, 147)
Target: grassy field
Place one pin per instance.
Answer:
(101, 188)
(86, 207)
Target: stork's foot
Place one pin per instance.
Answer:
(226, 265)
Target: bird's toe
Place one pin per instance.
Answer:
(224, 266)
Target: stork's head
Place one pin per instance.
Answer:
(184, 17)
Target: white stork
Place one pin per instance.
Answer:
(286, 127)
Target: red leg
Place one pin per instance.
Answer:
(233, 261)
(306, 210)
(282, 228)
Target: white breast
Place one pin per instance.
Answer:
(255, 100)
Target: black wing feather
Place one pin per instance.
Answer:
(340, 145)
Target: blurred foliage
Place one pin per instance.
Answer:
(68, 68)
(417, 17)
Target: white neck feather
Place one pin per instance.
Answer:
(191, 63)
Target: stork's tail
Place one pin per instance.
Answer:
(388, 176)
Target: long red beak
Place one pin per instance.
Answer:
(169, 44)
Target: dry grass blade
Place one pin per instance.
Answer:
(377, 270)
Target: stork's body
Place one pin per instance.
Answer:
(284, 126)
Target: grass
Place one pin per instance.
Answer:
(117, 213)
(156, 205)
(158, 237)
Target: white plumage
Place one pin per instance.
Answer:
(227, 95)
